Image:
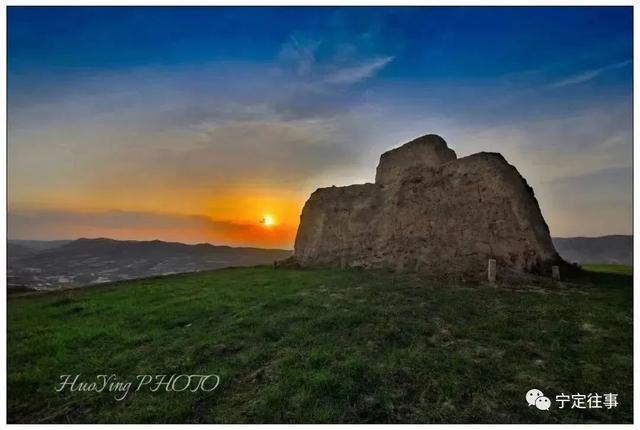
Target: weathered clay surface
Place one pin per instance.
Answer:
(424, 152)
(429, 212)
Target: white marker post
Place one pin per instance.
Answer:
(555, 273)
(491, 270)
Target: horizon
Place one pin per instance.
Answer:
(142, 240)
(243, 246)
(168, 123)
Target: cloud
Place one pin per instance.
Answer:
(547, 150)
(300, 52)
(587, 75)
(336, 53)
(350, 75)
(180, 130)
(279, 152)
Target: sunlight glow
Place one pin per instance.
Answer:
(267, 220)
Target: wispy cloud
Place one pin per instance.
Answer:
(350, 75)
(587, 75)
(301, 52)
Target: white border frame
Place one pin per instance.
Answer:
(3, 163)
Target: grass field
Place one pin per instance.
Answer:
(315, 346)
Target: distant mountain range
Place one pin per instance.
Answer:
(617, 249)
(45, 265)
(52, 264)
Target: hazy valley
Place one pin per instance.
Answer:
(46, 265)
(53, 264)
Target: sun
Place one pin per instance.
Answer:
(267, 220)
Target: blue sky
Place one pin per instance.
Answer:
(154, 110)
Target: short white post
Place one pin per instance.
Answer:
(555, 273)
(491, 270)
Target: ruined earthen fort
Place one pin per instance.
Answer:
(431, 212)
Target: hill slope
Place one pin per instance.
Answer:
(324, 346)
(616, 249)
(90, 261)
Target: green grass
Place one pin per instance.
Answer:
(620, 269)
(316, 346)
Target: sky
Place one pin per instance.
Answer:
(192, 124)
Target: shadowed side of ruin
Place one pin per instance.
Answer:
(429, 212)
